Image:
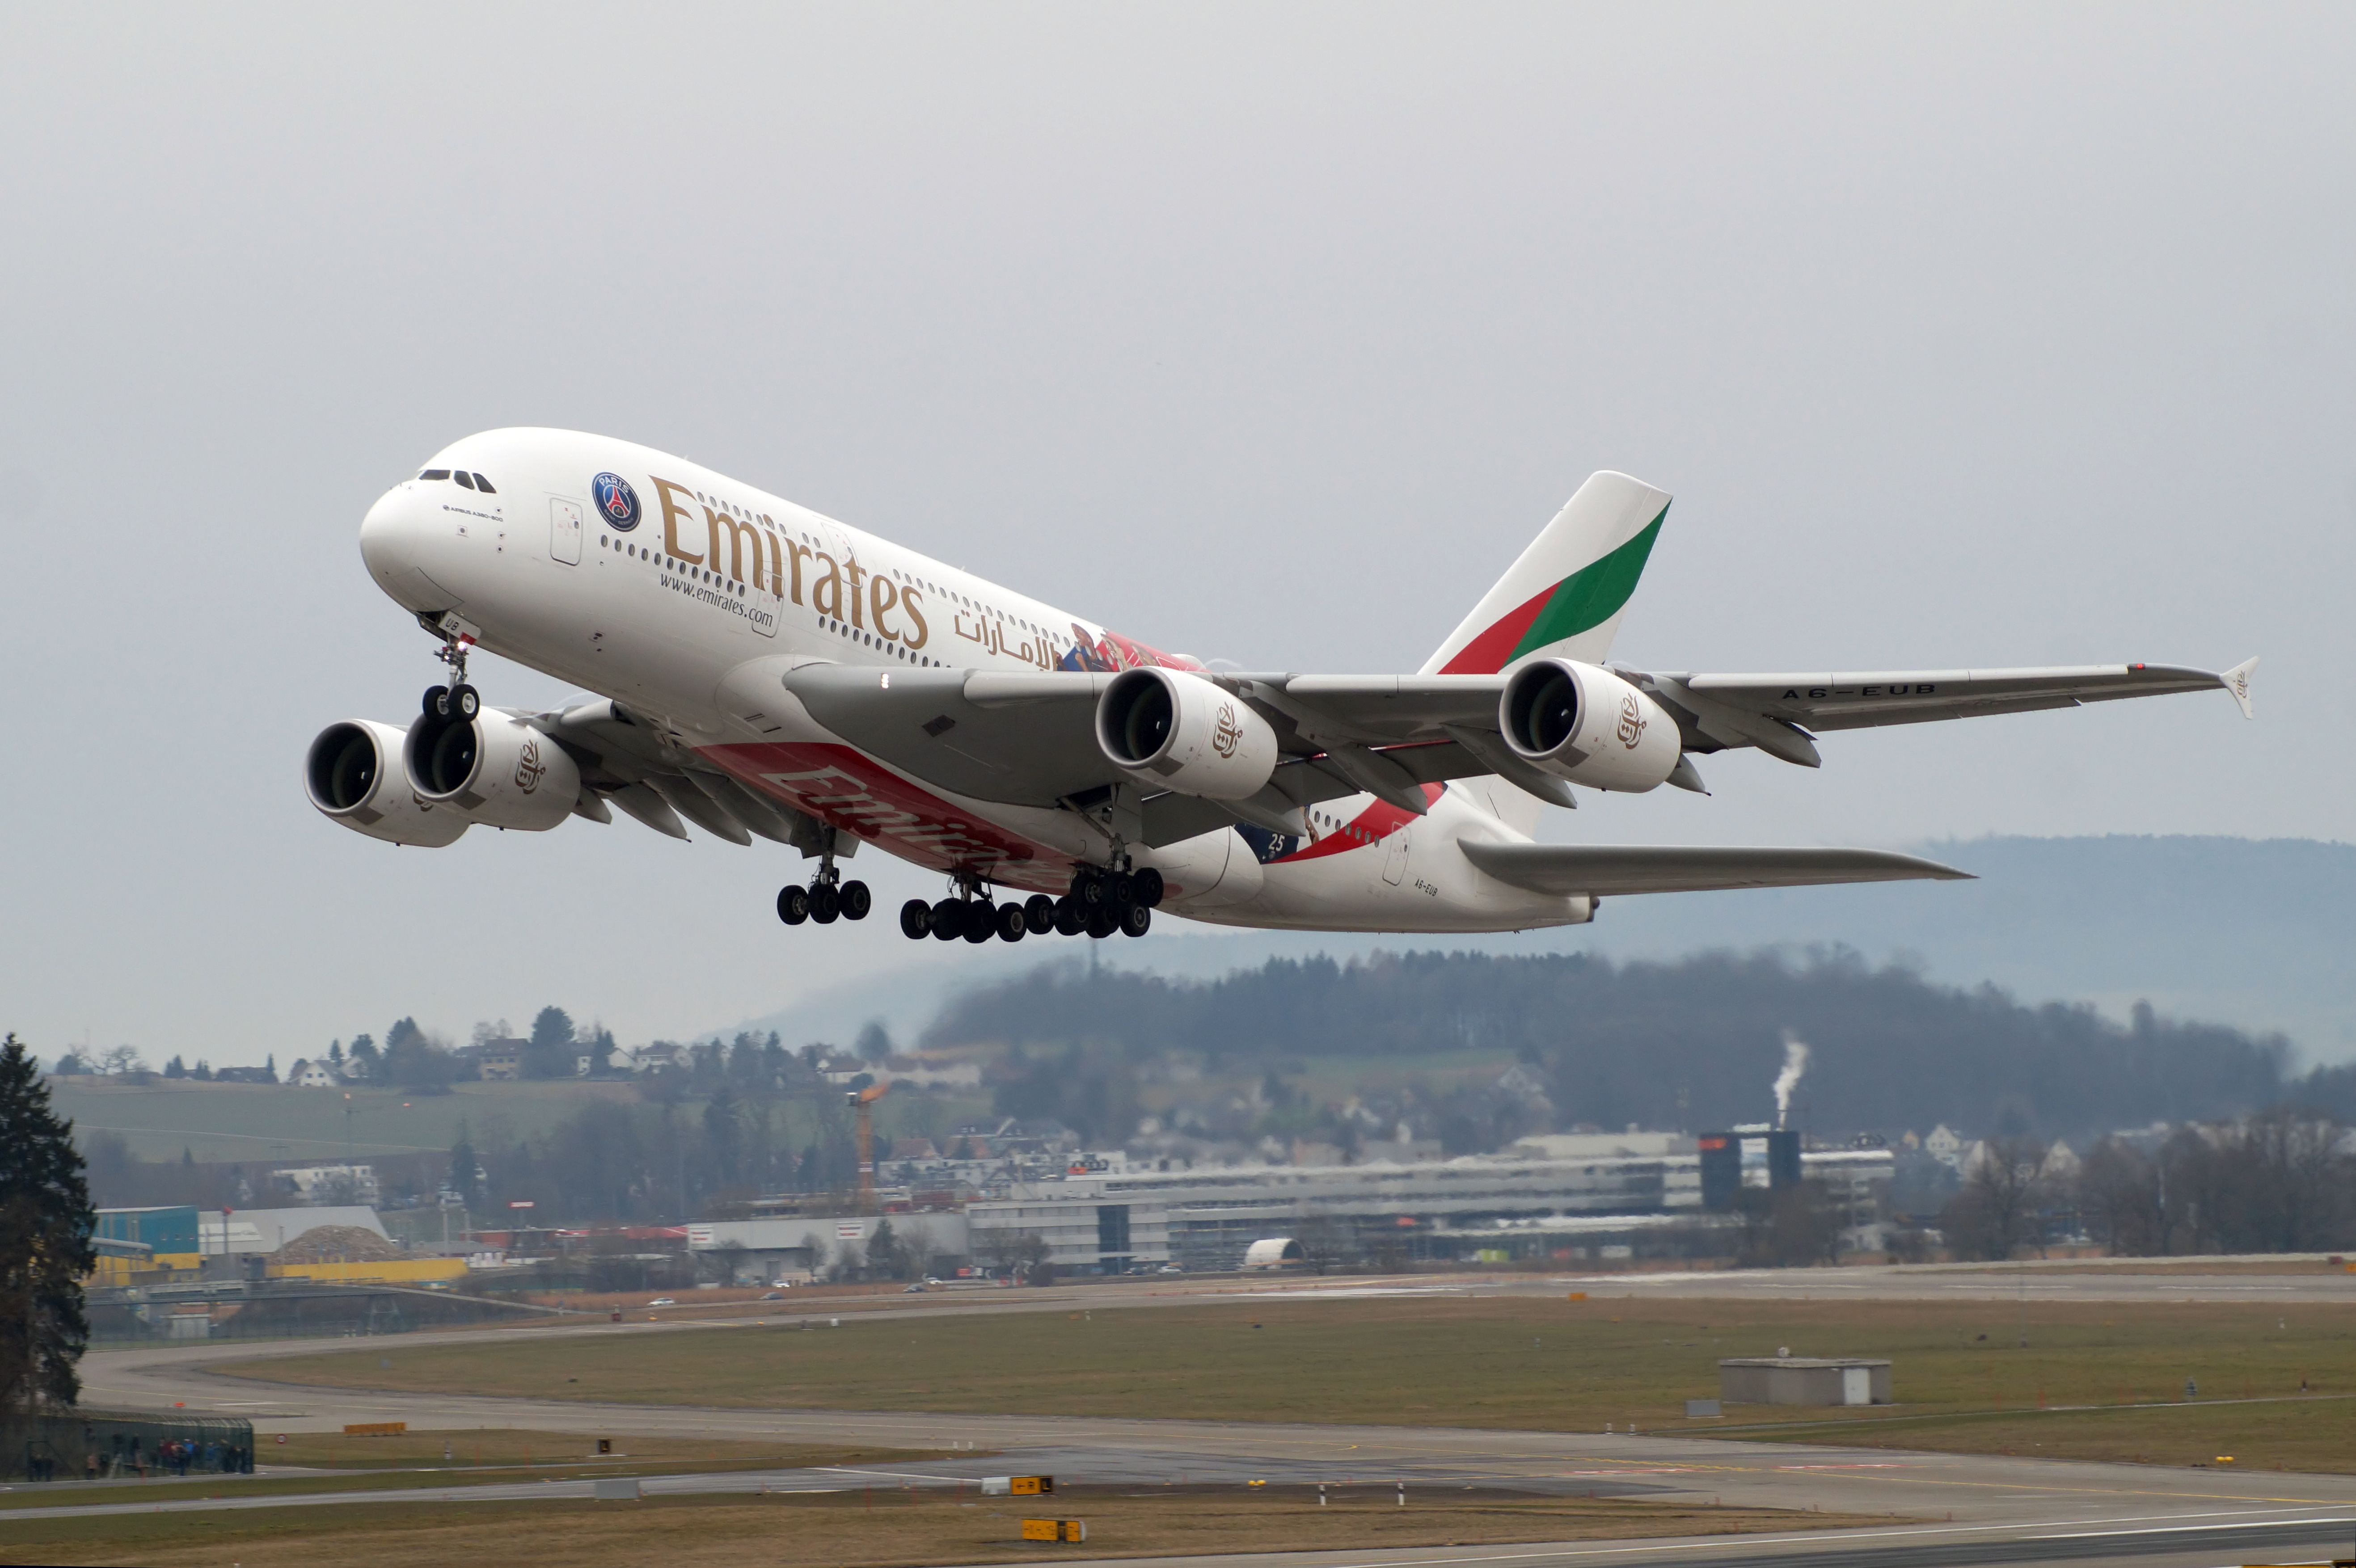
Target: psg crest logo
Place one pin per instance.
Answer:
(616, 502)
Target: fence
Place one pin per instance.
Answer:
(99, 1445)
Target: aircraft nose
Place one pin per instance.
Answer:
(388, 535)
(399, 541)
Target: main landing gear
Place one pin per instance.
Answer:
(826, 899)
(1100, 903)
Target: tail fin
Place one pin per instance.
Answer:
(1567, 592)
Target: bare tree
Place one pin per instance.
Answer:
(1996, 1212)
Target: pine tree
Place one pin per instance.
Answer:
(46, 1221)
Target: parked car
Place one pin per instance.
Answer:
(772, 1295)
(913, 1290)
(663, 1301)
(1170, 1268)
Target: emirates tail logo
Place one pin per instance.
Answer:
(1227, 734)
(530, 769)
(1632, 722)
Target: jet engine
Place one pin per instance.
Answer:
(493, 769)
(1184, 733)
(1586, 725)
(354, 776)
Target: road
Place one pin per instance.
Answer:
(1944, 1509)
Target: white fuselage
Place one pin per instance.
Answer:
(670, 611)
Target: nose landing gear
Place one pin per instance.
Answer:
(457, 701)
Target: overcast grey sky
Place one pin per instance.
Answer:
(1963, 336)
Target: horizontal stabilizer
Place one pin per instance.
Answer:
(1617, 869)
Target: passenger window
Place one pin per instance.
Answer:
(461, 477)
(484, 486)
(436, 473)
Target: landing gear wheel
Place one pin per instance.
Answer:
(949, 921)
(1102, 921)
(437, 702)
(916, 919)
(1122, 889)
(981, 921)
(1069, 921)
(825, 904)
(1039, 915)
(465, 702)
(1089, 887)
(794, 905)
(1012, 923)
(1149, 888)
(856, 900)
(1135, 919)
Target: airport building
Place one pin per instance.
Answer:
(1568, 1197)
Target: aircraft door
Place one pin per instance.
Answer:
(1394, 857)
(565, 520)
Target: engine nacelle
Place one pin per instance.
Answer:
(1586, 725)
(354, 776)
(493, 769)
(1180, 730)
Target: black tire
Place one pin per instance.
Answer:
(1149, 888)
(981, 921)
(1039, 914)
(1102, 921)
(1013, 923)
(1136, 920)
(465, 702)
(793, 906)
(949, 921)
(1069, 921)
(1122, 889)
(826, 904)
(915, 920)
(1089, 887)
(856, 900)
(437, 702)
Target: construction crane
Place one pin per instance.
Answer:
(862, 1101)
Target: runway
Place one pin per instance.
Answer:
(1942, 1509)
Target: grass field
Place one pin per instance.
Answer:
(852, 1530)
(271, 1122)
(1962, 1377)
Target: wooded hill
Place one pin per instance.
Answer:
(1695, 1043)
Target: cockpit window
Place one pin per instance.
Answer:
(484, 486)
(461, 477)
(436, 473)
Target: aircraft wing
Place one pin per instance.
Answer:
(1778, 712)
(1029, 739)
(1602, 869)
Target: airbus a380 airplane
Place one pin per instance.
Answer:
(762, 670)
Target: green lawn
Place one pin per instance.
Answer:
(1517, 1362)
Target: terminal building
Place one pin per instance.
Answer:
(1567, 1198)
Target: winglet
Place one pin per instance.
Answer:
(2237, 681)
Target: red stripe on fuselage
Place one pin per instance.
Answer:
(1377, 822)
(844, 788)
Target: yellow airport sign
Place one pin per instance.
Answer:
(1054, 1530)
(1030, 1485)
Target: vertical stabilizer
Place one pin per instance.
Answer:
(1566, 594)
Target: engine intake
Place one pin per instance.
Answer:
(1178, 731)
(1589, 726)
(493, 769)
(353, 775)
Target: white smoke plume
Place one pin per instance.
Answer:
(1796, 1062)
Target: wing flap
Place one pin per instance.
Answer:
(1618, 869)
